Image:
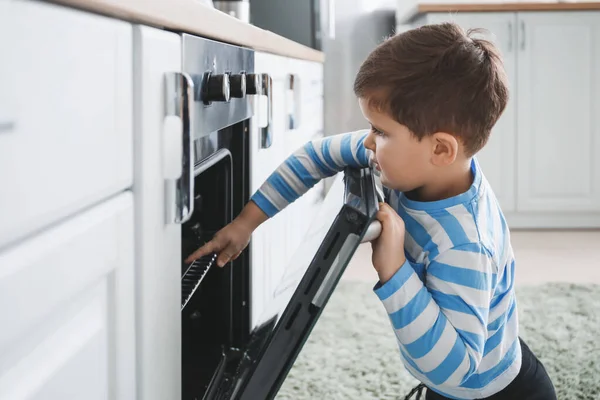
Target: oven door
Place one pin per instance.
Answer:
(346, 217)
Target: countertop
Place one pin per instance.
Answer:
(497, 7)
(192, 17)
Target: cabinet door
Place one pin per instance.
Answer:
(559, 111)
(65, 113)
(158, 244)
(268, 242)
(497, 159)
(67, 306)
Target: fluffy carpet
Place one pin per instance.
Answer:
(352, 354)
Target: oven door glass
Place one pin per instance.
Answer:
(317, 266)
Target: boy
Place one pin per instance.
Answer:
(431, 96)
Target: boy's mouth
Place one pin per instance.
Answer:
(374, 164)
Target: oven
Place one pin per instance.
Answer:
(215, 302)
(223, 354)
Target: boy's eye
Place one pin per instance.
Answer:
(377, 131)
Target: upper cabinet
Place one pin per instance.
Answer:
(65, 113)
(540, 159)
(559, 111)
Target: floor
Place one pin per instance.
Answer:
(541, 256)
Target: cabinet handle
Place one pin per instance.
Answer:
(510, 36)
(180, 192)
(266, 133)
(7, 126)
(293, 101)
(522, 35)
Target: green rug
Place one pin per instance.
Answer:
(352, 353)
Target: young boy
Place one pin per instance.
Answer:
(431, 96)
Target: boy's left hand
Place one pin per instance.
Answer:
(388, 248)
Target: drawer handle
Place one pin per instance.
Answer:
(266, 133)
(7, 126)
(293, 101)
(180, 192)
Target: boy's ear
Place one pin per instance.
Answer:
(445, 149)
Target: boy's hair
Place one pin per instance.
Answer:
(437, 78)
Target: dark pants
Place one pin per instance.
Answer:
(532, 382)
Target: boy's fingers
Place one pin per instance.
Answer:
(223, 258)
(208, 248)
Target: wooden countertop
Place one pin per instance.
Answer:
(190, 16)
(499, 7)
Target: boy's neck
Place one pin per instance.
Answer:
(446, 183)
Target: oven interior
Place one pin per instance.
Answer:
(214, 316)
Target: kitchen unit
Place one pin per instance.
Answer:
(67, 273)
(541, 159)
(116, 172)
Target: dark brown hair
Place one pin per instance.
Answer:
(437, 78)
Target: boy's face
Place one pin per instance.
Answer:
(403, 161)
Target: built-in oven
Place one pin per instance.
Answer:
(223, 356)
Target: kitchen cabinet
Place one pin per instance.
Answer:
(67, 306)
(559, 110)
(540, 158)
(297, 118)
(65, 114)
(157, 243)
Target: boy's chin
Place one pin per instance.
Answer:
(390, 184)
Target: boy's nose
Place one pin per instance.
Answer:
(370, 141)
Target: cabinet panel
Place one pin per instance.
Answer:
(66, 136)
(497, 158)
(559, 114)
(158, 245)
(67, 301)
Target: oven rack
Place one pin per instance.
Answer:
(190, 281)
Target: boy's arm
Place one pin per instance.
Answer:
(301, 171)
(314, 161)
(442, 327)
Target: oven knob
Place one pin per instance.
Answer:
(253, 84)
(238, 85)
(216, 88)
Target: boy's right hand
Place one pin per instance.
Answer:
(227, 243)
(230, 241)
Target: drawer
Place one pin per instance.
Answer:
(66, 125)
(67, 306)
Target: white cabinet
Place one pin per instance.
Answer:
(65, 114)
(67, 306)
(498, 157)
(540, 159)
(273, 244)
(267, 246)
(157, 244)
(559, 112)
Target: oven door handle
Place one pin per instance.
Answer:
(179, 192)
(266, 132)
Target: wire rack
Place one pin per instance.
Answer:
(192, 278)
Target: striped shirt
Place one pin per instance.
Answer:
(452, 305)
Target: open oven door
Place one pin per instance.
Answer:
(346, 218)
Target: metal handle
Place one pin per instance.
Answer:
(510, 36)
(522, 35)
(331, 17)
(293, 101)
(373, 232)
(266, 133)
(180, 192)
(7, 126)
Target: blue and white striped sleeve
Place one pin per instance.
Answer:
(441, 326)
(309, 164)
